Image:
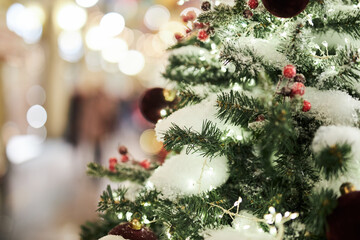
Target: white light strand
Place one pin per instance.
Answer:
(275, 221)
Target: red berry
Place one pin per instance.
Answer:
(203, 35)
(124, 158)
(199, 25)
(297, 88)
(112, 163)
(188, 30)
(253, 4)
(184, 18)
(191, 15)
(260, 118)
(289, 71)
(145, 164)
(306, 106)
(178, 36)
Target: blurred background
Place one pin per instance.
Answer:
(71, 73)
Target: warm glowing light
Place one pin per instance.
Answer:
(156, 16)
(36, 116)
(25, 22)
(71, 17)
(168, 30)
(149, 143)
(23, 148)
(112, 24)
(70, 46)
(95, 39)
(86, 3)
(132, 63)
(114, 50)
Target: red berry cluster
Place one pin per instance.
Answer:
(203, 30)
(297, 88)
(125, 158)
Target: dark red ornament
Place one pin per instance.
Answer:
(133, 232)
(253, 4)
(123, 150)
(344, 222)
(153, 101)
(124, 158)
(145, 164)
(297, 88)
(285, 8)
(112, 164)
(289, 71)
(306, 106)
(203, 35)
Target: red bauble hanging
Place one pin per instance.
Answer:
(285, 8)
(153, 101)
(289, 71)
(344, 222)
(253, 4)
(130, 231)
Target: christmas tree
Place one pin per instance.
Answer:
(262, 129)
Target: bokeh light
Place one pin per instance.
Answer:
(148, 142)
(23, 148)
(70, 46)
(132, 63)
(25, 22)
(36, 116)
(86, 3)
(114, 49)
(156, 16)
(71, 17)
(95, 39)
(112, 24)
(168, 31)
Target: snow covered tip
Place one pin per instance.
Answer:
(189, 174)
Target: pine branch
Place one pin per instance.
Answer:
(197, 69)
(332, 160)
(208, 141)
(238, 109)
(188, 97)
(344, 22)
(100, 228)
(322, 204)
(123, 173)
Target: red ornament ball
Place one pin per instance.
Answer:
(297, 88)
(253, 4)
(289, 71)
(112, 164)
(203, 35)
(130, 232)
(153, 101)
(344, 221)
(285, 8)
(306, 106)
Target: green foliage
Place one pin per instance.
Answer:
(187, 97)
(208, 141)
(97, 229)
(333, 160)
(238, 108)
(123, 172)
(322, 204)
